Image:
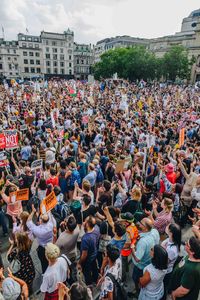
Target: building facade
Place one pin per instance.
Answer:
(30, 50)
(58, 53)
(10, 65)
(116, 42)
(83, 60)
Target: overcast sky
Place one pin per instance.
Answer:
(92, 20)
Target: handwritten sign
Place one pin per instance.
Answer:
(121, 165)
(3, 160)
(37, 164)
(48, 203)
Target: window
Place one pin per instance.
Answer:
(26, 61)
(70, 57)
(70, 72)
(55, 56)
(23, 44)
(77, 61)
(16, 66)
(37, 46)
(14, 51)
(48, 56)
(54, 43)
(1, 66)
(56, 71)
(8, 50)
(31, 61)
(69, 45)
(29, 39)
(69, 51)
(70, 64)
(37, 62)
(82, 61)
(32, 70)
(48, 63)
(62, 64)
(62, 57)
(47, 49)
(26, 70)
(30, 53)
(0, 57)
(10, 67)
(37, 54)
(10, 73)
(55, 50)
(62, 71)
(55, 64)
(8, 58)
(25, 53)
(47, 42)
(38, 70)
(23, 38)
(61, 50)
(30, 45)
(36, 40)
(62, 44)
(15, 58)
(48, 71)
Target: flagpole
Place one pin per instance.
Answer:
(3, 33)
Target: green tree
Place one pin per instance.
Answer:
(175, 63)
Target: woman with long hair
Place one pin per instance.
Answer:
(172, 245)
(19, 253)
(152, 287)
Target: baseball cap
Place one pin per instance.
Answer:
(11, 289)
(127, 217)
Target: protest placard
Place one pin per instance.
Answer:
(48, 203)
(3, 160)
(121, 165)
(23, 127)
(20, 195)
(37, 164)
(9, 139)
(181, 137)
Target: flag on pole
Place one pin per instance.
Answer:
(2, 28)
(27, 30)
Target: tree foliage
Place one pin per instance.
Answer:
(139, 63)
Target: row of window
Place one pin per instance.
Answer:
(30, 39)
(32, 70)
(30, 53)
(9, 58)
(32, 62)
(55, 71)
(10, 67)
(56, 43)
(55, 56)
(82, 62)
(56, 63)
(30, 45)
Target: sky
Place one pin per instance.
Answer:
(93, 20)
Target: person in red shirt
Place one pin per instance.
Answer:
(53, 179)
(170, 174)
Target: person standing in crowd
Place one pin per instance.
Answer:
(44, 233)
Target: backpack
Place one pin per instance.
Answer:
(119, 291)
(100, 176)
(75, 176)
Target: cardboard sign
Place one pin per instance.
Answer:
(121, 165)
(3, 160)
(20, 195)
(9, 139)
(48, 203)
(181, 137)
(37, 164)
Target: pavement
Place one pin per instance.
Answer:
(4, 245)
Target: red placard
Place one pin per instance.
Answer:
(2, 141)
(9, 139)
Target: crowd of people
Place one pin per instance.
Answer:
(122, 161)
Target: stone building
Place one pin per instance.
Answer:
(10, 66)
(83, 59)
